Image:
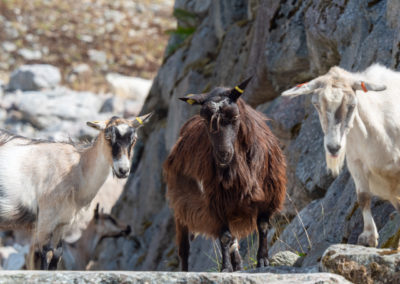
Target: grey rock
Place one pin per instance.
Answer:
(59, 114)
(362, 265)
(333, 219)
(284, 258)
(8, 46)
(131, 108)
(113, 104)
(29, 54)
(64, 277)
(197, 7)
(227, 12)
(2, 87)
(15, 259)
(34, 77)
(129, 87)
(389, 235)
(97, 56)
(284, 269)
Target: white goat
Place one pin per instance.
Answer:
(360, 118)
(43, 184)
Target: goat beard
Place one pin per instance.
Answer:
(335, 164)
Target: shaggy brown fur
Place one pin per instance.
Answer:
(206, 198)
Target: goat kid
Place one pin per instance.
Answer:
(44, 184)
(225, 175)
(78, 255)
(360, 118)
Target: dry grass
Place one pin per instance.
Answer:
(130, 33)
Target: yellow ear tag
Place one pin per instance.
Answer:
(139, 120)
(96, 122)
(239, 89)
(190, 101)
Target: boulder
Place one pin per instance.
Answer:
(67, 277)
(360, 264)
(13, 258)
(34, 77)
(59, 110)
(129, 87)
(284, 258)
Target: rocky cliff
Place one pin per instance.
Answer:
(280, 43)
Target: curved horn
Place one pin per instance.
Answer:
(368, 86)
(194, 99)
(302, 89)
(139, 121)
(239, 89)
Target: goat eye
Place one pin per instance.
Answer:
(108, 135)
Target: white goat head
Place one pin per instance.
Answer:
(334, 97)
(120, 134)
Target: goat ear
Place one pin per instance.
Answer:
(301, 89)
(96, 211)
(368, 86)
(139, 121)
(193, 99)
(99, 125)
(239, 89)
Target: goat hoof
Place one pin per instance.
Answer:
(228, 269)
(368, 239)
(262, 262)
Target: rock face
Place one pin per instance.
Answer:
(362, 265)
(280, 43)
(64, 277)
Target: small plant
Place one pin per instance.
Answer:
(185, 28)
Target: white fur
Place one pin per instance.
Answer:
(52, 180)
(121, 163)
(123, 128)
(371, 144)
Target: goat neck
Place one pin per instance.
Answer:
(95, 168)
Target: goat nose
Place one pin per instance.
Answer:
(333, 149)
(224, 154)
(123, 171)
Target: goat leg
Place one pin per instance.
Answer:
(226, 241)
(46, 257)
(262, 253)
(182, 238)
(369, 236)
(236, 260)
(57, 254)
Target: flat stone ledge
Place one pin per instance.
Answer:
(78, 277)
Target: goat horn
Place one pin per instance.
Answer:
(239, 89)
(140, 120)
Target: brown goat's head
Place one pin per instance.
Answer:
(221, 114)
(121, 135)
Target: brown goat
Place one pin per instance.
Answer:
(225, 175)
